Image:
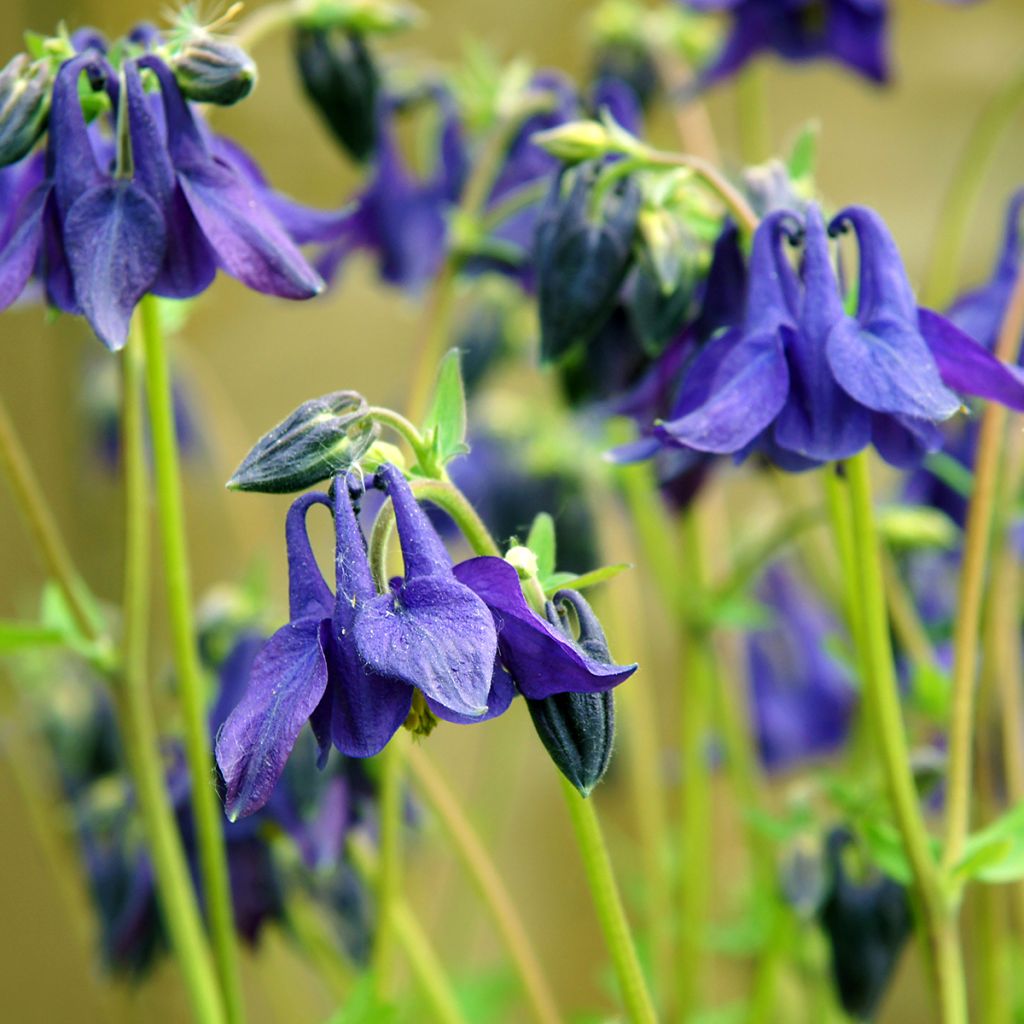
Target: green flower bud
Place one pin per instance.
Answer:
(320, 439)
(24, 107)
(212, 70)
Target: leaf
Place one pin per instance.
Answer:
(559, 580)
(445, 422)
(362, 1006)
(321, 438)
(930, 692)
(541, 541)
(952, 473)
(19, 636)
(917, 526)
(803, 157)
(996, 853)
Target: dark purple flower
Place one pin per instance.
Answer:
(852, 32)
(805, 383)
(802, 698)
(104, 218)
(350, 662)
(867, 923)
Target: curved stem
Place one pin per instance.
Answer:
(424, 961)
(138, 728)
(882, 707)
(262, 23)
(608, 904)
(406, 429)
(989, 129)
(389, 873)
(171, 517)
(36, 512)
(971, 587)
(489, 884)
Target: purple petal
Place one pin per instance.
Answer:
(902, 441)
(968, 367)
(70, 155)
(19, 255)
(540, 660)
(115, 239)
(887, 367)
(308, 594)
(353, 579)
(423, 552)
(287, 682)
(498, 699)
(734, 389)
(434, 634)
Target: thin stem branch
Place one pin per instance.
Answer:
(489, 884)
(971, 590)
(171, 518)
(423, 959)
(38, 517)
(608, 904)
(388, 887)
(882, 706)
(138, 727)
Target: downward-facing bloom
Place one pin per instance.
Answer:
(852, 32)
(802, 698)
(150, 201)
(804, 382)
(350, 662)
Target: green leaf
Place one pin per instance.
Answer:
(952, 473)
(541, 541)
(445, 423)
(20, 636)
(930, 692)
(996, 853)
(558, 580)
(362, 1006)
(803, 157)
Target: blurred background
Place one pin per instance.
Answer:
(252, 359)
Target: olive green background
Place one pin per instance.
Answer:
(253, 359)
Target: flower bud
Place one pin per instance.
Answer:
(578, 729)
(24, 107)
(323, 437)
(341, 79)
(212, 70)
(576, 141)
(582, 255)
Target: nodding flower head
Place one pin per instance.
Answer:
(141, 198)
(805, 382)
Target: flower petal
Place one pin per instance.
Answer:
(422, 550)
(887, 366)
(115, 239)
(308, 594)
(287, 681)
(434, 634)
(902, 441)
(540, 660)
(734, 389)
(498, 699)
(968, 367)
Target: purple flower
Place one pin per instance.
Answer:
(350, 662)
(805, 383)
(803, 699)
(852, 32)
(102, 221)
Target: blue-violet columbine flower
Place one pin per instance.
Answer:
(350, 662)
(805, 383)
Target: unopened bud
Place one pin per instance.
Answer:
(213, 70)
(576, 141)
(24, 107)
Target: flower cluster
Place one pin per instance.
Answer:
(143, 198)
(456, 642)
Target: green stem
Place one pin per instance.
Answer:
(943, 275)
(424, 961)
(316, 941)
(389, 875)
(971, 589)
(138, 727)
(608, 904)
(883, 712)
(695, 819)
(171, 518)
(489, 884)
(405, 429)
(262, 23)
(39, 519)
